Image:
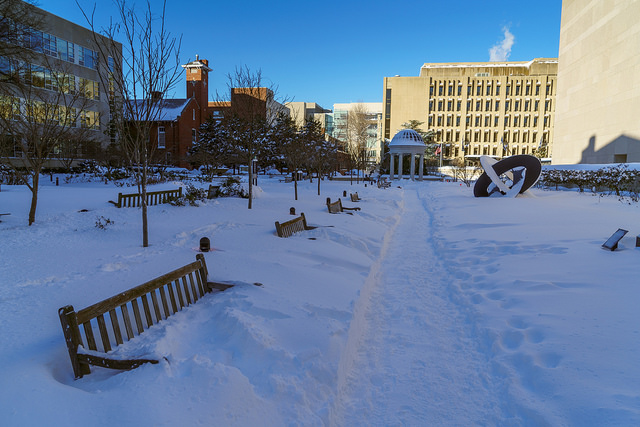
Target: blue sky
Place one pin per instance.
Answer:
(339, 51)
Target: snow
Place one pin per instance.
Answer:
(427, 307)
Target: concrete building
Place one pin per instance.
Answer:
(598, 83)
(61, 48)
(477, 108)
(302, 111)
(373, 116)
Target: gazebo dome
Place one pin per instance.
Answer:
(407, 137)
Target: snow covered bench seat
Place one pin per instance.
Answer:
(336, 207)
(355, 197)
(292, 226)
(130, 313)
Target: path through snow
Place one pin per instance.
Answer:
(411, 352)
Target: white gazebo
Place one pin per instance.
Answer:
(407, 141)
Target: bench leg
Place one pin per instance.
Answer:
(69, 323)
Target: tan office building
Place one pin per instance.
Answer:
(598, 113)
(477, 108)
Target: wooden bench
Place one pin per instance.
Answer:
(213, 191)
(336, 207)
(292, 226)
(1, 214)
(287, 179)
(153, 198)
(159, 298)
(383, 183)
(355, 197)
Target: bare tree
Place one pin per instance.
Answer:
(254, 110)
(291, 145)
(322, 151)
(41, 108)
(142, 71)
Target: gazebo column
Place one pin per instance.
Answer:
(413, 166)
(391, 171)
(421, 167)
(401, 155)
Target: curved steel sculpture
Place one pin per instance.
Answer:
(522, 171)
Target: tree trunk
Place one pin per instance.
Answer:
(319, 175)
(34, 197)
(250, 182)
(295, 184)
(143, 204)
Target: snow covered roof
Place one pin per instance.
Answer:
(170, 109)
(407, 137)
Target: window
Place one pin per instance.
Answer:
(506, 121)
(194, 135)
(440, 120)
(535, 121)
(478, 121)
(450, 90)
(516, 121)
(489, 89)
(497, 105)
(161, 137)
(487, 121)
(528, 90)
(88, 58)
(527, 104)
(478, 105)
(460, 90)
(89, 119)
(479, 89)
(459, 105)
(498, 90)
(538, 88)
(526, 121)
(430, 90)
(449, 119)
(508, 90)
(496, 120)
(488, 105)
(536, 105)
(469, 105)
(507, 106)
(457, 120)
(517, 90)
(193, 114)
(516, 106)
(449, 105)
(440, 105)
(440, 90)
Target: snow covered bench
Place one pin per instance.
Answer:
(355, 197)
(336, 207)
(160, 298)
(292, 226)
(383, 183)
(213, 191)
(153, 198)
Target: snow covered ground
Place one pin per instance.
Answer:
(428, 307)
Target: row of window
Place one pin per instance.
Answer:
(505, 137)
(44, 78)
(489, 121)
(493, 150)
(15, 109)
(489, 105)
(56, 47)
(488, 88)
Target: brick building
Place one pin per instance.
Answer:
(177, 129)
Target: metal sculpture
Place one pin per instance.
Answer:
(520, 173)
